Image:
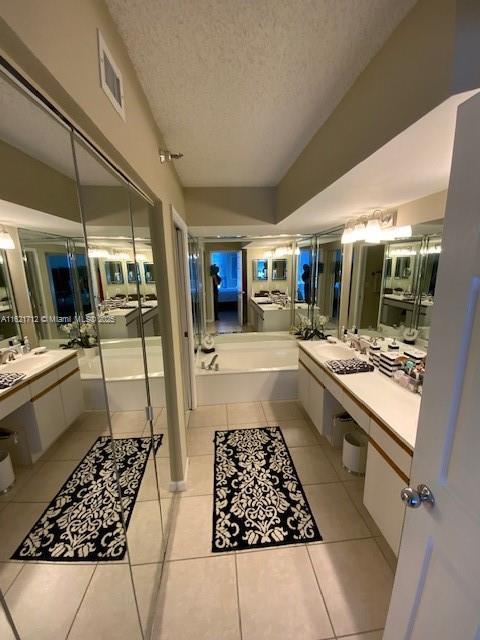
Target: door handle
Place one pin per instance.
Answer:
(414, 499)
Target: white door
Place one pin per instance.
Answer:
(437, 586)
(239, 288)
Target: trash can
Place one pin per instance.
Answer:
(10, 442)
(7, 476)
(342, 423)
(354, 456)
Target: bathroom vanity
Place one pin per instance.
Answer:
(386, 412)
(44, 404)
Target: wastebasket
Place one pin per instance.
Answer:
(7, 476)
(342, 423)
(354, 455)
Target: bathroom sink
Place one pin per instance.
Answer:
(335, 351)
(28, 364)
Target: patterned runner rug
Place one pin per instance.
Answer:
(83, 522)
(258, 498)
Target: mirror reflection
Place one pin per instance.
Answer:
(393, 286)
(85, 425)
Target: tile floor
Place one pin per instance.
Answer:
(97, 599)
(336, 588)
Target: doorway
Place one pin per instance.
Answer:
(227, 290)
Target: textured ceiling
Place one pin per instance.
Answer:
(240, 86)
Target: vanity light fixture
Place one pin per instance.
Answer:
(6, 240)
(141, 257)
(98, 253)
(374, 228)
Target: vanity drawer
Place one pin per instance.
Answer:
(399, 454)
(358, 414)
(43, 382)
(381, 497)
(67, 367)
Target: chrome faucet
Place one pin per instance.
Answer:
(211, 364)
(358, 343)
(7, 355)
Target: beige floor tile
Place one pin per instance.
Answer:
(198, 601)
(199, 476)
(73, 445)
(354, 489)
(247, 425)
(335, 457)
(356, 583)
(388, 553)
(164, 475)
(148, 487)
(103, 617)
(16, 520)
(6, 632)
(22, 475)
(200, 442)
(208, 416)
(146, 578)
(128, 421)
(281, 410)
(312, 465)
(279, 596)
(91, 421)
(371, 635)
(164, 449)
(8, 572)
(46, 483)
(334, 512)
(167, 505)
(245, 412)
(127, 434)
(191, 532)
(297, 433)
(145, 533)
(44, 598)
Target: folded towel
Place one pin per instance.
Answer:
(8, 380)
(354, 365)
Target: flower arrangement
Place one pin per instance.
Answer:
(83, 334)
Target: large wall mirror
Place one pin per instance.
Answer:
(79, 274)
(393, 285)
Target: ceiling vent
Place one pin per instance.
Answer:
(110, 77)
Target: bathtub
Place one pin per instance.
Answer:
(252, 367)
(124, 375)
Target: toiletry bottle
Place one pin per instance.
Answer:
(27, 345)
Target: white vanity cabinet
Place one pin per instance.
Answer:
(72, 397)
(43, 407)
(389, 458)
(50, 421)
(387, 473)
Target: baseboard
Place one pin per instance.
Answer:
(179, 485)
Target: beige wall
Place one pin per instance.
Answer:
(220, 206)
(55, 45)
(430, 56)
(425, 209)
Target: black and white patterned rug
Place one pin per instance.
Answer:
(83, 522)
(258, 498)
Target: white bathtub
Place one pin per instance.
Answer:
(124, 376)
(252, 367)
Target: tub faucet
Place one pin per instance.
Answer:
(211, 364)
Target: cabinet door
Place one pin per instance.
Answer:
(316, 403)
(382, 497)
(72, 398)
(49, 417)
(304, 387)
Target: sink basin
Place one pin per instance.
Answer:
(335, 351)
(28, 364)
